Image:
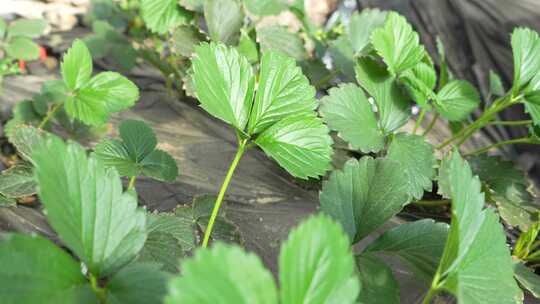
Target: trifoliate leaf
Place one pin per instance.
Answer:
(278, 38)
(394, 107)
(476, 242)
(185, 38)
(417, 160)
(526, 53)
(457, 100)
(34, 270)
(364, 195)
(527, 278)
(77, 66)
(377, 281)
(347, 111)
(160, 16)
(361, 26)
(22, 48)
(300, 144)
(316, 264)
(139, 283)
(342, 54)
(218, 270)
(136, 154)
(162, 248)
(224, 83)
(18, 181)
(265, 7)
(508, 188)
(420, 82)
(30, 28)
(398, 44)
(85, 205)
(419, 244)
(283, 91)
(224, 19)
(496, 86)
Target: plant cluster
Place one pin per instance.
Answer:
(119, 253)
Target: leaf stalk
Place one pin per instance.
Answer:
(50, 114)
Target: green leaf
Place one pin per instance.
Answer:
(347, 111)
(179, 224)
(316, 264)
(417, 160)
(7, 202)
(283, 91)
(527, 278)
(105, 93)
(476, 243)
(377, 280)
(224, 19)
(397, 44)
(160, 165)
(30, 28)
(77, 66)
(26, 139)
(420, 81)
(18, 181)
(394, 107)
(507, 188)
(300, 144)
(247, 46)
(162, 248)
(444, 73)
(265, 7)
(80, 196)
(24, 113)
(342, 54)
(278, 38)
(361, 26)
(34, 270)
(185, 38)
(526, 53)
(420, 244)
(139, 139)
(224, 83)
(3, 27)
(457, 100)
(160, 16)
(139, 283)
(193, 5)
(217, 269)
(22, 48)
(496, 86)
(364, 195)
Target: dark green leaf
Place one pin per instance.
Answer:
(18, 181)
(7, 202)
(162, 248)
(179, 224)
(343, 58)
(22, 48)
(377, 281)
(138, 138)
(139, 283)
(160, 16)
(278, 38)
(185, 38)
(160, 165)
(527, 279)
(224, 19)
(457, 100)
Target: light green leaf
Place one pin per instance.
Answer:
(507, 188)
(283, 91)
(377, 280)
(265, 7)
(193, 5)
(278, 38)
(247, 46)
(34, 270)
(526, 53)
(347, 111)
(496, 86)
(224, 83)
(420, 81)
(160, 16)
(80, 196)
(361, 26)
(527, 279)
(398, 44)
(30, 28)
(22, 48)
(18, 181)
(364, 195)
(417, 160)
(420, 244)
(300, 144)
(476, 243)
(394, 107)
(162, 248)
(224, 19)
(3, 27)
(218, 270)
(457, 100)
(316, 264)
(77, 66)
(185, 38)
(139, 283)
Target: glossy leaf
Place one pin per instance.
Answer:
(217, 269)
(161, 16)
(316, 264)
(224, 19)
(77, 66)
(22, 48)
(265, 7)
(364, 195)
(278, 38)
(138, 283)
(361, 26)
(457, 100)
(377, 281)
(85, 205)
(30, 28)
(526, 53)
(417, 159)
(34, 270)
(347, 111)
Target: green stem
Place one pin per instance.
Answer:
(432, 203)
(50, 114)
(131, 182)
(431, 124)
(101, 293)
(429, 296)
(419, 120)
(523, 140)
(511, 122)
(221, 195)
